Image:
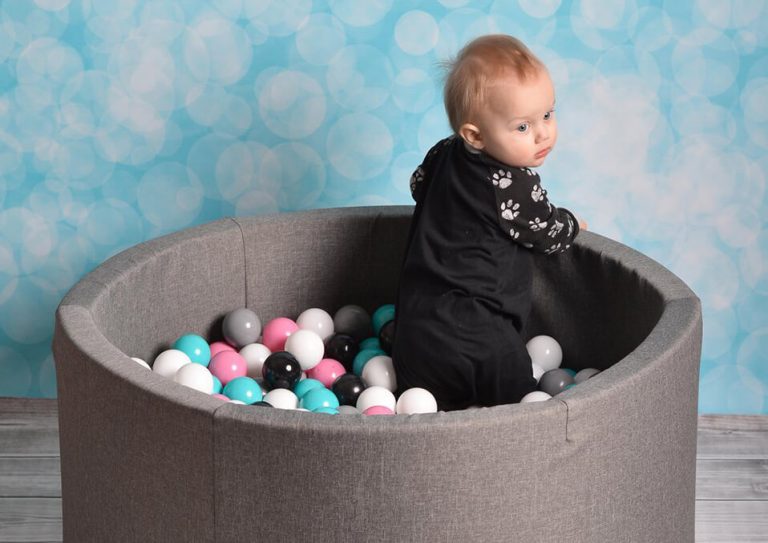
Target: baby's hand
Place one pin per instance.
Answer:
(582, 223)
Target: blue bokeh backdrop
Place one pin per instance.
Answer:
(123, 120)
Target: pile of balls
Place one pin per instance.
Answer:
(334, 365)
(546, 357)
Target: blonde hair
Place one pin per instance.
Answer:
(479, 63)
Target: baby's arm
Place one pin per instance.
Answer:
(527, 215)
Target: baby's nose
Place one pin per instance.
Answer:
(542, 133)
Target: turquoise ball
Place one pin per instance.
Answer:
(572, 372)
(245, 389)
(327, 411)
(318, 398)
(217, 386)
(305, 385)
(382, 316)
(370, 343)
(195, 347)
(362, 358)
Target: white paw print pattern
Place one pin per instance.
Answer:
(537, 224)
(527, 170)
(538, 193)
(502, 179)
(556, 229)
(416, 179)
(513, 233)
(570, 227)
(553, 249)
(509, 210)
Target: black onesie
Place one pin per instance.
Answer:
(465, 285)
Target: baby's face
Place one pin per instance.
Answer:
(518, 125)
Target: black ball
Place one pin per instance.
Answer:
(343, 348)
(281, 370)
(354, 321)
(348, 388)
(262, 404)
(387, 336)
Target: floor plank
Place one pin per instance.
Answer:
(30, 476)
(731, 521)
(739, 479)
(28, 427)
(732, 437)
(25, 520)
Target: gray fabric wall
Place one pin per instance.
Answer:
(144, 459)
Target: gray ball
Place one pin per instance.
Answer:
(241, 327)
(354, 321)
(586, 373)
(554, 381)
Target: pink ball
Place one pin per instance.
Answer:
(220, 396)
(227, 365)
(378, 410)
(276, 332)
(327, 371)
(218, 346)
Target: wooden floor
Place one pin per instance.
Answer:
(731, 484)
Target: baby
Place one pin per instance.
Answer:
(481, 212)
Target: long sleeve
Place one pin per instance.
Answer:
(525, 213)
(423, 174)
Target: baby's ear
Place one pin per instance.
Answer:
(471, 134)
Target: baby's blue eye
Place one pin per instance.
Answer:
(548, 115)
(523, 128)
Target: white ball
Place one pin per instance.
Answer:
(238, 402)
(586, 373)
(169, 362)
(538, 371)
(255, 354)
(376, 395)
(282, 398)
(140, 362)
(307, 347)
(379, 372)
(416, 400)
(348, 410)
(535, 396)
(317, 321)
(545, 351)
(195, 376)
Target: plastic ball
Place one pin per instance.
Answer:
(140, 362)
(305, 385)
(352, 320)
(195, 347)
(281, 370)
(362, 359)
(586, 373)
(245, 389)
(282, 398)
(262, 403)
(348, 388)
(538, 371)
(220, 397)
(381, 316)
(241, 327)
(327, 411)
(535, 396)
(195, 376)
(348, 410)
(318, 398)
(238, 402)
(169, 362)
(342, 347)
(375, 396)
(569, 370)
(218, 346)
(217, 386)
(545, 351)
(316, 320)
(327, 371)
(228, 365)
(276, 332)
(255, 354)
(379, 371)
(378, 410)
(554, 381)
(416, 400)
(307, 347)
(371, 343)
(387, 336)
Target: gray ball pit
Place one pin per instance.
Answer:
(144, 459)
